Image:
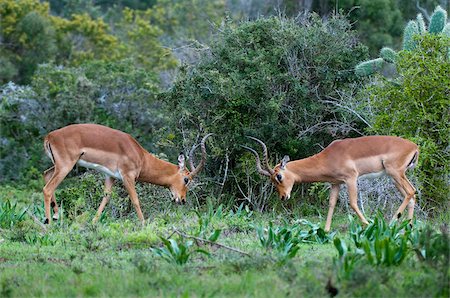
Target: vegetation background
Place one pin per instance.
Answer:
(296, 74)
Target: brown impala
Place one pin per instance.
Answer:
(119, 156)
(343, 161)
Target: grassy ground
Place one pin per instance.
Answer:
(115, 258)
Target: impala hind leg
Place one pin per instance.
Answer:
(334, 193)
(59, 173)
(47, 175)
(408, 191)
(130, 186)
(353, 198)
(109, 182)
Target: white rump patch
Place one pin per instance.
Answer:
(100, 168)
(372, 175)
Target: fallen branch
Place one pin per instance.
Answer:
(211, 242)
(37, 221)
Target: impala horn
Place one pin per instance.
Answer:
(196, 170)
(268, 171)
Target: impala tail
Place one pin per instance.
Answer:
(48, 150)
(413, 161)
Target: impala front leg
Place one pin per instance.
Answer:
(353, 198)
(129, 184)
(334, 193)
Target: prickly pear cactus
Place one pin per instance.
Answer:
(438, 25)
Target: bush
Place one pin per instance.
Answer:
(415, 106)
(267, 78)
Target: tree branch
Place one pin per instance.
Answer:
(211, 242)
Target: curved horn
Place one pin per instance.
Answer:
(258, 162)
(196, 170)
(265, 155)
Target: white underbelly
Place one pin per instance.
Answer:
(90, 165)
(372, 175)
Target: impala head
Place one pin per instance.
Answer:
(181, 181)
(280, 175)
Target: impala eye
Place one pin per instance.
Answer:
(186, 180)
(279, 177)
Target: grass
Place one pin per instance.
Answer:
(116, 258)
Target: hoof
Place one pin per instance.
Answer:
(399, 215)
(46, 221)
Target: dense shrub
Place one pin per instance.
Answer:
(416, 106)
(268, 78)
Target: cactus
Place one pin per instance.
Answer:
(446, 30)
(438, 20)
(388, 55)
(421, 24)
(437, 25)
(408, 36)
(369, 67)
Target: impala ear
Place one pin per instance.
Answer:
(181, 159)
(284, 161)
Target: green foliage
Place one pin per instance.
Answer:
(383, 245)
(41, 239)
(431, 246)
(176, 253)
(378, 22)
(377, 244)
(285, 240)
(314, 233)
(204, 221)
(32, 36)
(417, 102)
(281, 239)
(438, 20)
(10, 215)
(265, 78)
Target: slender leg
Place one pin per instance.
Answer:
(353, 198)
(408, 191)
(49, 189)
(47, 175)
(129, 184)
(109, 182)
(334, 193)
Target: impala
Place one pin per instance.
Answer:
(119, 156)
(343, 161)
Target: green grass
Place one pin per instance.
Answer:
(115, 259)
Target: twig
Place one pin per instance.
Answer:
(36, 220)
(210, 242)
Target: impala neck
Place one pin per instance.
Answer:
(157, 171)
(308, 169)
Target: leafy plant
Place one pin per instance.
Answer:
(315, 234)
(176, 253)
(10, 215)
(41, 239)
(281, 239)
(431, 246)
